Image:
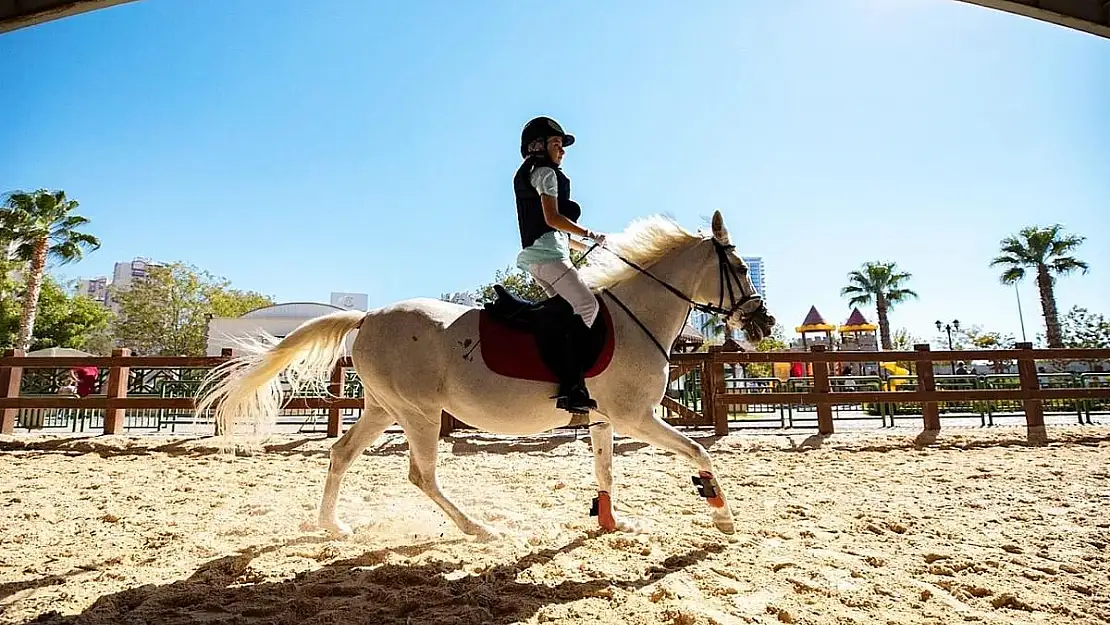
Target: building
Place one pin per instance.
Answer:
(123, 275)
(350, 301)
(463, 298)
(127, 273)
(277, 320)
(95, 289)
(755, 271)
(699, 321)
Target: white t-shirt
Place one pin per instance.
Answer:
(544, 181)
(552, 246)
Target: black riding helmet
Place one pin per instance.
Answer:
(542, 128)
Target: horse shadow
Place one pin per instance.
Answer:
(476, 444)
(9, 589)
(364, 589)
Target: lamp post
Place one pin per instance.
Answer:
(1017, 295)
(949, 327)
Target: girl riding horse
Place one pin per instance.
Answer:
(547, 216)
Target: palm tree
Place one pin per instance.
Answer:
(713, 326)
(1047, 250)
(9, 263)
(882, 283)
(43, 225)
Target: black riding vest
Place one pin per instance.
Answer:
(529, 211)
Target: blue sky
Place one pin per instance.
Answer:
(345, 145)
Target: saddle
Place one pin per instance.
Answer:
(524, 340)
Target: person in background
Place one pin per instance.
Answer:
(86, 380)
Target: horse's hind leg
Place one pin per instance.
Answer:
(654, 431)
(422, 432)
(365, 431)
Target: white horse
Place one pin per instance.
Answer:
(415, 361)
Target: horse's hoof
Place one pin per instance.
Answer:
(621, 524)
(336, 528)
(726, 526)
(484, 532)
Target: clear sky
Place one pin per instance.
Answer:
(299, 148)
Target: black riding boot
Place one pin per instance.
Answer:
(573, 395)
(559, 342)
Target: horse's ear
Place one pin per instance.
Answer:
(719, 231)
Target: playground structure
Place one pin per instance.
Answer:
(856, 334)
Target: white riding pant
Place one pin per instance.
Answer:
(562, 278)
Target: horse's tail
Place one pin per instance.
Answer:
(247, 387)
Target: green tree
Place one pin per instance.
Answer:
(1046, 250)
(226, 302)
(464, 298)
(9, 287)
(42, 225)
(883, 284)
(903, 340)
(774, 343)
(520, 282)
(976, 337)
(102, 342)
(714, 326)
(63, 319)
(516, 281)
(167, 312)
(1081, 329)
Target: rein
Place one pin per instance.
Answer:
(727, 276)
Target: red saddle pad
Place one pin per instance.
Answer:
(513, 353)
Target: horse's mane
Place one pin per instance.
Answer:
(644, 242)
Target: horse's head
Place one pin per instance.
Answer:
(727, 289)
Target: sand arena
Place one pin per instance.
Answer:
(979, 526)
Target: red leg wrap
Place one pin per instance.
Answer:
(716, 500)
(605, 511)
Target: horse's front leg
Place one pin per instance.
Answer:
(654, 431)
(601, 439)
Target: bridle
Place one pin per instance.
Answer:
(746, 304)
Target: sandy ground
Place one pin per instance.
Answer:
(980, 526)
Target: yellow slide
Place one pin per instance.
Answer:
(894, 369)
(781, 370)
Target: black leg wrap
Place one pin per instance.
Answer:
(594, 508)
(705, 486)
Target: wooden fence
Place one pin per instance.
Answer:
(114, 400)
(713, 411)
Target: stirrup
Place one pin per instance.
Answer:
(582, 406)
(576, 401)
